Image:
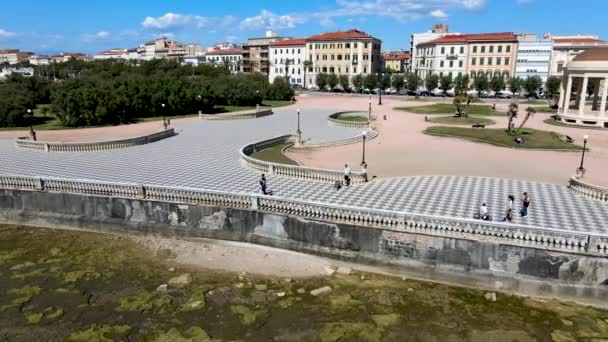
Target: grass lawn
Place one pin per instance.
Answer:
(470, 120)
(273, 154)
(351, 117)
(448, 108)
(545, 109)
(534, 139)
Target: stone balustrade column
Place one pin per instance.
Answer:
(566, 104)
(582, 94)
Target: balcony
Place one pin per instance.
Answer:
(451, 56)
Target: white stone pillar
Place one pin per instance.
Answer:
(596, 93)
(566, 104)
(604, 96)
(583, 93)
(562, 91)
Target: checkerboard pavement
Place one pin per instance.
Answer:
(205, 155)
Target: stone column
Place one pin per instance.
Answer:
(583, 93)
(596, 93)
(604, 96)
(566, 104)
(562, 91)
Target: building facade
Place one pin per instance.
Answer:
(40, 60)
(14, 56)
(533, 57)
(447, 55)
(256, 53)
(396, 61)
(347, 53)
(492, 54)
(287, 60)
(437, 31)
(67, 56)
(565, 48)
(162, 48)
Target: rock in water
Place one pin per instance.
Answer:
(182, 280)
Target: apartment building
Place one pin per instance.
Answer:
(287, 60)
(118, 53)
(14, 56)
(565, 48)
(162, 48)
(445, 55)
(67, 56)
(396, 61)
(436, 32)
(40, 60)
(492, 54)
(231, 58)
(533, 56)
(348, 53)
(256, 53)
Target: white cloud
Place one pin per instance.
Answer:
(271, 21)
(6, 34)
(103, 34)
(439, 14)
(174, 20)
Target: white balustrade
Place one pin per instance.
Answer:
(241, 115)
(93, 146)
(588, 190)
(334, 121)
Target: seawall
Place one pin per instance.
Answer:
(482, 261)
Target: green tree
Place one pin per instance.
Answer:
(358, 82)
(446, 83)
(480, 83)
(462, 102)
(280, 89)
(344, 82)
(552, 89)
(497, 84)
(332, 81)
(321, 80)
(398, 82)
(532, 84)
(512, 114)
(370, 82)
(431, 82)
(413, 81)
(384, 81)
(461, 84)
(515, 84)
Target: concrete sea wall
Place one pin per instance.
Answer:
(517, 268)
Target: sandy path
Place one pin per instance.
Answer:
(402, 150)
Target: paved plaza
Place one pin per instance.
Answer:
(205, 155)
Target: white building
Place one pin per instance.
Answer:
(67, 56)
(230, 58)
(533, 57)
(14, 56)
(437, 31)
(287, 60)
(112, 54)
(443, 56)
(25, 72)
(162, 48)
(565, 48)
(40, 60)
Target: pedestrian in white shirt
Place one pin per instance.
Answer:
(346, 175)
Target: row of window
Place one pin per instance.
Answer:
(548, 52)
(280, 61)
(528, 61)
(452, 50)
(489, 74)
(324, 57)
(280, 51)
(333, 70)
(482, 48)
(222, 58)
(294, 71)
(450, 64)
(490, 61)
(341, 46)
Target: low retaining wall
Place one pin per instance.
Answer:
(379, 238)
(587, 190)
(333, 120)
(293, 171)
(242, 115)
(92, 146)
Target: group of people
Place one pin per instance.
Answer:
(525, 204)
(166, 123)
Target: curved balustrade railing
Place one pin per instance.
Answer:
(93, 146)
(334, 121)
(588, 190)
(293, 171)
(242, 115)
(432, 225)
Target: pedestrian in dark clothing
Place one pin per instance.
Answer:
(263, 185)
(525, 203)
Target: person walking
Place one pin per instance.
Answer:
(263, 184)
(346, 175)
(483, 212)
(509, 212)
(525, 204)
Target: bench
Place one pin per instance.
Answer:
(478, 126)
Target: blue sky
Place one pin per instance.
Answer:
(44, 26)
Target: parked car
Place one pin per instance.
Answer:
(502, 95)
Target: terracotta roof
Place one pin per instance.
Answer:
(577, 40)
(350, 34)
(9, 51)
(290, 42)
(467, 38)
(597, 54)
(69, 54)
(397, 57)
(235, 51)
(116, 51)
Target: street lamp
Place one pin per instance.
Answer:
(29, 118)
(380, 80)
(363, 135)
(581, 168)
(298, 131)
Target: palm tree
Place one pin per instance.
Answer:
(512, 113)
(307, 64)
(530, 111)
